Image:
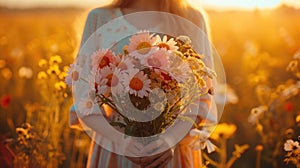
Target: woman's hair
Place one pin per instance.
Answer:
(178, 7)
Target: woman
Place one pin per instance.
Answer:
(182, 156)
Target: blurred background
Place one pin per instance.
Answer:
(257, 40)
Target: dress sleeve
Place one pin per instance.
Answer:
(89, 28)
(95, 19)
(207, 110)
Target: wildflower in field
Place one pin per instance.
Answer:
(297, 55)
(169, 45)
(256, 113)
(223, 130)
(239, 150)
(42, 75)
(259, 148)
(291, 145)
(42, 63)
(5, 101)
(72, 75)
(290, 91)
(25, 72)
(60, 85)
(231, 96)
(53, 69)
(298, 118)
(6, 73)
(56, 59)
(202, 136)
(292, 66)
(293, 152)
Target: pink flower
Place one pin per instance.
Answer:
(103, 58)
(158, 59)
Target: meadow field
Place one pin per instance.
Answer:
(260, 51)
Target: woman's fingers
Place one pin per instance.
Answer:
(136, 160)
(162, 160)
(152, 147)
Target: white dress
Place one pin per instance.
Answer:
(184, 155)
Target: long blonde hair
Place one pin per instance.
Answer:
(178, 7)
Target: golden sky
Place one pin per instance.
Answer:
(218, 4)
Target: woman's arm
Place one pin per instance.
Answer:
(87, 32)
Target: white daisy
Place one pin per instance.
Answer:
(86, 106)
(101, 87)
(180, 73)
(72, 74)
(137, 83)
(102, 58)
(141, 42)
(139, 56)
(256, 113)
(291, 145)
(169, 45)
(126, 63)
(202, 140)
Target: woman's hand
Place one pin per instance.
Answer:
(155, 161)
(159, 161)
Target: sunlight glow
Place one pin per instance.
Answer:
(212, 4)
(238, 4)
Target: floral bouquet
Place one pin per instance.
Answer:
(143, 89)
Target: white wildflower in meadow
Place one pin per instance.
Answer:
(204, 142)
(291, 145)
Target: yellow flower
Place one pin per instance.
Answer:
(7, 73)
(223, 130)
(62, 75)
(54, 69)
(298, 118)
(56, 59)
(60, 85)
(200, 81)
(292, 66)
(259, 147)
(42, 75)
(259, 128)
(195, 64)
(239, 150)
(25, 72)
(42, 63)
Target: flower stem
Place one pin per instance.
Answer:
(258, 158)
(223, 152)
